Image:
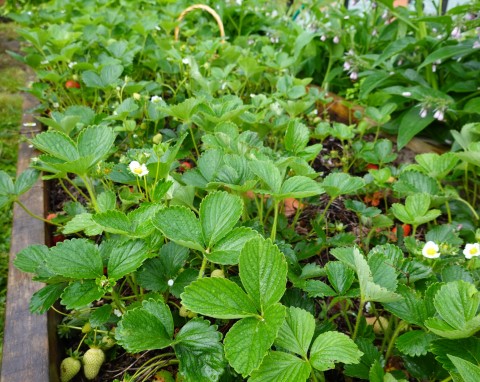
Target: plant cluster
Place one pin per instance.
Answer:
(219, 221)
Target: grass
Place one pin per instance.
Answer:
(13, 77)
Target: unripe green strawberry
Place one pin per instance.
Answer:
(92, 361)
(69, 368)
(217, 273)
(183, 312)
(107, 342)
(87, 328)
(164, 376)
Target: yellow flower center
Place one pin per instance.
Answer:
(473, 251)
(431, 251)
(138, 170)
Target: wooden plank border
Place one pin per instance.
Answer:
(29, 346)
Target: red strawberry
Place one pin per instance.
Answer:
(72, 84)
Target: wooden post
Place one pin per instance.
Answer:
(26, 355)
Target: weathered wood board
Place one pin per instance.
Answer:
(26, 354)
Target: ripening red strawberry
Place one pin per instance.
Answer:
(72, 84)
(407, 230)
(58, 238)
(184, 166)
(51, 216)
(371, 166)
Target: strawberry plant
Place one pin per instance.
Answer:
(219, 222)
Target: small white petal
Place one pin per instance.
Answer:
(471, 250)
(431, 250)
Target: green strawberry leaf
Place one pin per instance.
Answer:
(95, 142)
(411, 308)
(155, 273)
(56, 144)
(76, 258)
(219, 213)
(340, 276)
(227, 250)
(467, 370)
(199, 350)
(278, 366)
(317, 288)
(376, 373)
(31, 257)
(100, 315)
(219, 298)
(415, 211)
(331, 347)
(413, 182)
(339, 183)
(415, 343)
(383, 271)
(107, 200)
(269, 174)
(467, 348)
(6, 184)
(299, 187)
(113, 221)
(370, 356)
(43, 299)
(369, 290)
(126, 258)
(435, 165)
(457, 305)
(109, 74)
(83, 222)
(249, 339)
(263, 271)
(183, 280)
(145, 328)
(180, 225)
(297, 136)
(417, 205)
(26, 180)
(297, 331)
(80, 293)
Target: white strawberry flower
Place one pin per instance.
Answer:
(471, 250)
(138, 169)
(431, 250)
